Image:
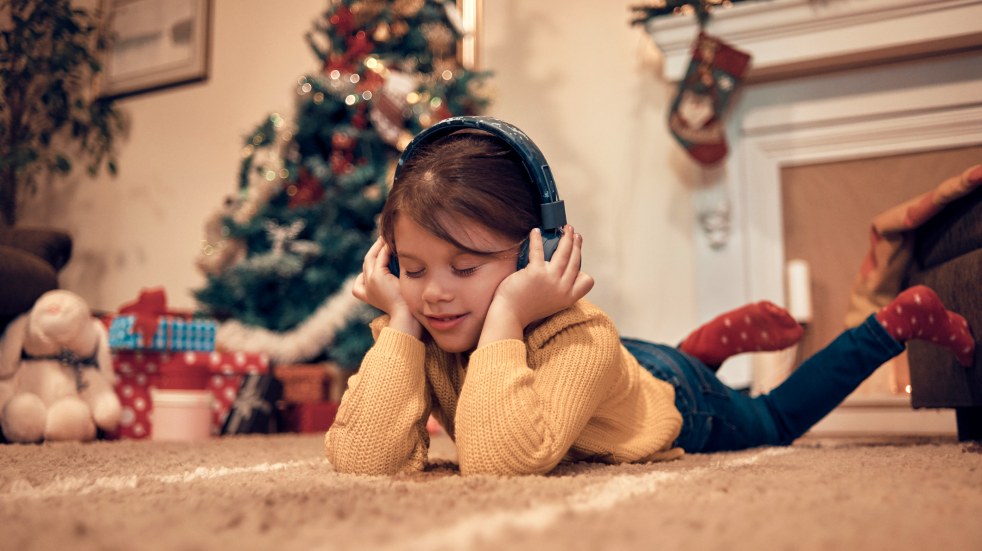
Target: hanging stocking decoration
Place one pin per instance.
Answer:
(696, 117)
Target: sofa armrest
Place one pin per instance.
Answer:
(52, 246)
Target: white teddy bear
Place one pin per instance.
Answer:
(56, 377)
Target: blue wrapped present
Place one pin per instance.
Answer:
(146, 324)
(173, 333)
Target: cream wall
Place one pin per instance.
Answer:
(572, 73)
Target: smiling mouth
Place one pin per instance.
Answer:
(445, 322)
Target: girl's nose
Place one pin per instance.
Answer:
(437, 290)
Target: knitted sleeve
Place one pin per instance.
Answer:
(517, 419)
(380, 426)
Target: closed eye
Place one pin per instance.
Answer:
(464, 272)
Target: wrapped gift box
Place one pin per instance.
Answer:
(254, 410)
(303, 382)
(172, 333)
(222, 373)
(308, 416)
(147, 324)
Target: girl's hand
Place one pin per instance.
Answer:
(379, 287)
(539, 290)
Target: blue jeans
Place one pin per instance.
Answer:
(715, 417)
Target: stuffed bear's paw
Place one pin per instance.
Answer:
(107, 411)
(69, 419)
(23, 418)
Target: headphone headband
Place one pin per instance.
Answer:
(553, 210)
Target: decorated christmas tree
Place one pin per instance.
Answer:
(280, 255)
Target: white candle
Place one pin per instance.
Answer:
(799, 290)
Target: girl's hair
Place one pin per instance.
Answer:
(468, 174)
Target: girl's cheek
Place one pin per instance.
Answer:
(405, 289)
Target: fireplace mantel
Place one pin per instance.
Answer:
(795, 37)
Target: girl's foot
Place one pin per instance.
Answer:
(918, 313)
(761, 326)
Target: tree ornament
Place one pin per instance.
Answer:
(382, 32)
(441, 40)
(407, 8)
(308, 190)
(399, 28)
(366, 11)
(696, 116)
(342, 20)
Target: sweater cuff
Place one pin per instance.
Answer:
(394, 343)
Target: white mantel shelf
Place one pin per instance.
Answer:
(795, 37)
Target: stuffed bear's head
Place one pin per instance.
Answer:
(59, 320)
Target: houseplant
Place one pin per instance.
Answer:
(51, 116)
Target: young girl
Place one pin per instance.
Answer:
(523, 373)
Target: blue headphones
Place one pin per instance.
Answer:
(553, 210)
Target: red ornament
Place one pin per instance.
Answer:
(309, 190)
(340, 164)
(358, 46)
(442, 112)
(359, 120)
(343, 20)
(342, 141)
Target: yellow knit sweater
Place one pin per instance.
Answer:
(571, 392)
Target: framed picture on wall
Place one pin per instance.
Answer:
(157, 44)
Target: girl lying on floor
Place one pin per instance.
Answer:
(521, 371)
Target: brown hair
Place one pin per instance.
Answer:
(471, 175)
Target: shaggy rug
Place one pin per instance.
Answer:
(277, 492)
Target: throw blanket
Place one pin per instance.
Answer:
(891, 244)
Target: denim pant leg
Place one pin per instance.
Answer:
(714, 416)
(824, 380)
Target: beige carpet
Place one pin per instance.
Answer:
(279, 493)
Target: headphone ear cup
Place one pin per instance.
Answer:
(550, 241)
(394, 264)
(523, 254)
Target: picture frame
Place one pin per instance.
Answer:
(157, 44)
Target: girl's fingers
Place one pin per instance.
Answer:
(371, 255)
(561, 256)
(582, 285)
(536, 253)
(382, 260)
(575, 256)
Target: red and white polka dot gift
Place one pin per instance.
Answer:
(139, 371)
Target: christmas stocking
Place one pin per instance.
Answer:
(696, 116)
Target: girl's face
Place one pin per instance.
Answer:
(449, 290)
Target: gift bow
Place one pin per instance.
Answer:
(146, 312)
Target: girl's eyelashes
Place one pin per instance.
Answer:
(461, 272)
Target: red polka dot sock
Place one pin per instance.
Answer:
(761, 326)
(918, 313)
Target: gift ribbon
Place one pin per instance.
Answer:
(146, 312)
